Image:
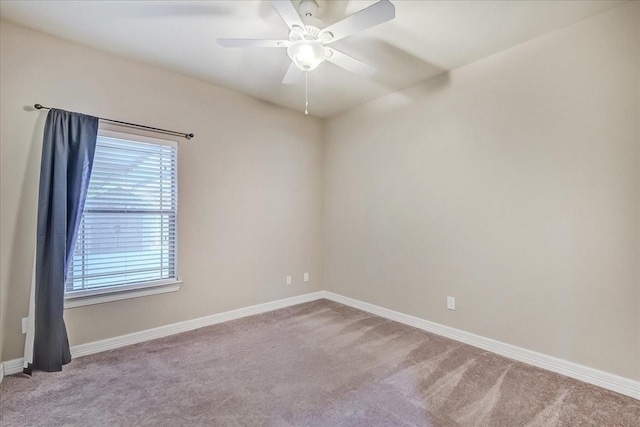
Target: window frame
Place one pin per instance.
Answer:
(133, 290)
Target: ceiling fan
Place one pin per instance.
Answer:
(308, 39)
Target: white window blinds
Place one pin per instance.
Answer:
(127, 236)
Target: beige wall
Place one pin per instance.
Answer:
(250, 184)
(511, 184)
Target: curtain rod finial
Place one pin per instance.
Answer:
(189, 135)
(38, 107)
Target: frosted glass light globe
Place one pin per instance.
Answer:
(307, 54)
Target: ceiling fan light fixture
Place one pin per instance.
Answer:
(307, 54)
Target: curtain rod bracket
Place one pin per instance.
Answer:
(134, 125)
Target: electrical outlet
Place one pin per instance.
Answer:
(288, 280)
(451, 303)
(24, 324)
(306, 277)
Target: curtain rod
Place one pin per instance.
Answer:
(134, 125)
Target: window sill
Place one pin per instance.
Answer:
(82, 300)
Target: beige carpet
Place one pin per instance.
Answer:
(315, 364)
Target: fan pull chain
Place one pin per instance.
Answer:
(306, 93)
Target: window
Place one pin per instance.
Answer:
(127, 238)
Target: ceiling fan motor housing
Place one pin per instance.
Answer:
(308, 11)
(307, 8)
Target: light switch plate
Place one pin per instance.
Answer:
(288, 280)
(24, 324)
(306, 277)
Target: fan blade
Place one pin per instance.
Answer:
(292, 76)
(252, 43)
(288, 12)
(350, 63)
(373, 15)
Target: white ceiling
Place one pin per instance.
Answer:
(426, 38)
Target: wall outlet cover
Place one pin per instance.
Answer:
(451, 303)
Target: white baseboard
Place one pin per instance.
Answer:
(1, 372)
(14, 366)
(602, 379)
